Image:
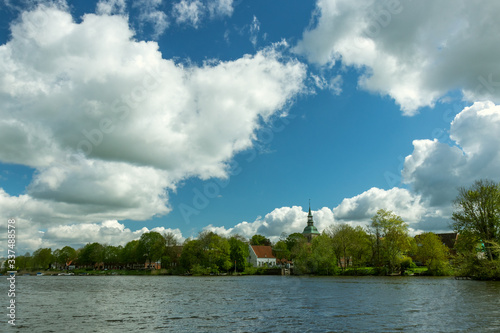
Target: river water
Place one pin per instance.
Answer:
(251, 304)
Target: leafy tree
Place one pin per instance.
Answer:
(151, 246)
(341, 235)
(292, 241)
(172, 250)
(210, 251)
(91, 254)
(238, 252)
(392, 240)
(65, 255)
(360, 247)
(477, 213)
(192, 254)
(433, 253)
(129, 254)
(280, 250)
(323, 254)
(23, 262)
(350, 245)
(217, 249)
(42, 258)
(170, 239)
(112, 254)
(260, 240)
(470, 261)
(303, 259)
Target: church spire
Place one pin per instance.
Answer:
(310, 221)
(310, 231)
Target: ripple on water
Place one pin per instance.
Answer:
(255, 304)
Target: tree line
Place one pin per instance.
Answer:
(385, 246)
(209, 253)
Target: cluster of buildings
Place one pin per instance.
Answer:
(262, 255)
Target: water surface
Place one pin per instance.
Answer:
(253, 304)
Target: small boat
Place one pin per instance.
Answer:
(39, 274)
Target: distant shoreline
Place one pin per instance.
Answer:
(166, 273)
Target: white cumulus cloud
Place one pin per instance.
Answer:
(435, 169)
(193, 12)
(111, 7)
(110, 125)
(363, 207)
(412, 51)
(281, 220)
(109, 232)
(149, 13)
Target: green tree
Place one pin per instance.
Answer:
(23, 262)
(433, 253)
(350, 245)
(217, 249)
(192, 254)
(260, 240)
(391, 238)
(65, 255)
(112, 254)
(238, 252)
(280, 250)
(170, 239)
(303, 259)
(323, 254)
(91, 254)
(292, 241)
(172, 250)
(477, 214)
(359, 249)
(342, 239)
(129, 254)
(42, 258)
(151, 246)
(209, 253)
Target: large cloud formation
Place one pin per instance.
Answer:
(362, 207)
(411, 52)
(434, 171)
(110, 126)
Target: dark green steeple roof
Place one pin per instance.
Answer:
(310, 229)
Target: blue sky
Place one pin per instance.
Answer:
(121, 117)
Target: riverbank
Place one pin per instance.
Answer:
(365, 271)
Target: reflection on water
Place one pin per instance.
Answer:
(254, 304)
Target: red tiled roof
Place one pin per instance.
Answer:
(263, 251)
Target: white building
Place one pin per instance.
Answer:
(261, 255)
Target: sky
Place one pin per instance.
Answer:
(120, 117)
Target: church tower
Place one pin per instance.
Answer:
(310, 231)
